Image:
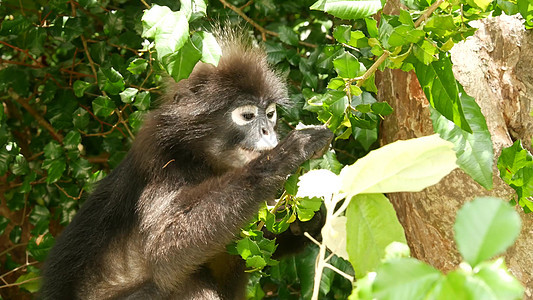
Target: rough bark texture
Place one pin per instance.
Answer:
(495, 67)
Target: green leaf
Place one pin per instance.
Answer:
(425, 52)
(137, 66)
(371, 226)
(29, 282)
(170, 30)
(410, 165)
(405, 35)
(110, 80)
(211, 51)
(193, 8)
(291, 184)
(334, 235)
(366, 137)
(20, 166)
(103, 106)
(72, 140)
(512, 159)
(330, 162)
(128, 94)
(483, 4)
(458, 285)
(275, 52)
(15, 234)
(349, 9)
(364, 108)
(247, 248)
(440, 87)
(26, 186)
(288, 36)
(80, 87)
(484, 228)
(53, 150)
(80, 118)
(474, 150)
(55, 169)
(3, 224)
(181, 64)
(525, 7)
(382, 108)
(80, 168)
(306, 208)
(40, 218)
(142, 100)
(500, 282)
(38, 247)
(347, 65)
(441, 25)
(256, 262)
(372, 27)
(342, 33)
(405, 278)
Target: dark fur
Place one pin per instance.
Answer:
(157, 226)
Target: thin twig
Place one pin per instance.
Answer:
(20, 283)
(26, 52)
(263, 31)
(372, 68)
(11, 248)
(67, 194)
(18, 268)
(145, 4)
(307, 235)
(386, 54)
(349, 277)
(91, 62)
(428, 12)
(35, 114)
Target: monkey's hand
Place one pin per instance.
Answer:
(296, 148)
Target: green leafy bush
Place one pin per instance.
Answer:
(77, 77)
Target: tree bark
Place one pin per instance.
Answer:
(494, 66)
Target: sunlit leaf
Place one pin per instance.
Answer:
(440, 87)
(169, 29)
(405, 278)
(348, 9)
(371, 226)
(484, 228)
(402, 166)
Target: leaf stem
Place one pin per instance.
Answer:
(428, 12)
(372, 68)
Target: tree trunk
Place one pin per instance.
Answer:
(494, 66)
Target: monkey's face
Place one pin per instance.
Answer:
(247, 130)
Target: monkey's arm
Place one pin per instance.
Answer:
(185, 227)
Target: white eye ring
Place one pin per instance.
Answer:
(271, 111)
(245, 114)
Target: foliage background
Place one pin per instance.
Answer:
(75, 80)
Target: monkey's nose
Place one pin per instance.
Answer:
(264, 131)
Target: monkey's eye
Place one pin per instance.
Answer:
(271, 111)
(245, 114)
(248, 116)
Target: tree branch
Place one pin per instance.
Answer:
(35, 114)
(386, 54)
(263, 31)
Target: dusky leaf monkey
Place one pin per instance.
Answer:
(156, 227)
